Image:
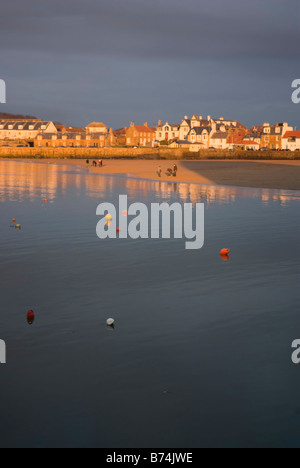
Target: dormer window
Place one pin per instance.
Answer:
(31, 127)
(43, 127)
(10, 127)
(21, 127)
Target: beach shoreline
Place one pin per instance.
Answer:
(281, 175)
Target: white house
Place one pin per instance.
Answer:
(218, 140)
(167, 132)
(97, 127)
(184, 128)
(291, 141)
(200, 135)
(28, 130)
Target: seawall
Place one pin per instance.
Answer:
(141, 153)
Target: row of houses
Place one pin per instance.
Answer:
(196, 134)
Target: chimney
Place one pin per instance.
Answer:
(132, 124)
(222, 118)
(185, 117)
(159, 123)
(208, 117)
(201, 117)
(146, 124)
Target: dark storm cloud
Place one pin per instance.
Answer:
(122, 60)
(157, 29)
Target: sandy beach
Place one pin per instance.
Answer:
(283, 175)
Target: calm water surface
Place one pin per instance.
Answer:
(201, 352)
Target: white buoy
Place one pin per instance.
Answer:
(110, 322)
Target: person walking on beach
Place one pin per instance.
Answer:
(159, 172)
(175, 169)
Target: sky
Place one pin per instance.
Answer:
(117, 61)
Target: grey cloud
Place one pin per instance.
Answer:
(156, 29)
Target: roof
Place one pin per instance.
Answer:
(200, 130)
(188, 121)
(252, 135)
(120, 131)
(25, 124)
(294, 134)
(220, 136)
(250, 142)
(96, 125)
(143, 129)
(181, 142)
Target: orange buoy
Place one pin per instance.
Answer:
(46, 201)
(14, 220)
(225, 252)
(125, 213)
(30, 317)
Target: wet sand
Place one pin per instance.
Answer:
(283, 175)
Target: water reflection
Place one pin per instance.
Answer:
(26, 180)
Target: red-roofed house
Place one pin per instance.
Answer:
(291, 141)
(140, 135)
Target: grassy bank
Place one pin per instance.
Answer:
(142, 153)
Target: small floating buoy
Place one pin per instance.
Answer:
(110, 322)
(125, 213)
(30, 317)
(108, 217)
(225, 252)
(13, 220)
(18, 226)
(118, 230)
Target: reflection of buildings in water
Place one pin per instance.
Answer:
(269, 197)
(26, 180)
(20, 180)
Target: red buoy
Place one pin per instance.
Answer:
(118, 230)
(225, 252)
(30, 317)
